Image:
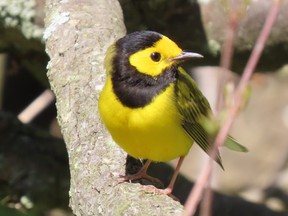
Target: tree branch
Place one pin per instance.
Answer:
(78, 34)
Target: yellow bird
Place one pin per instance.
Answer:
(150, 105)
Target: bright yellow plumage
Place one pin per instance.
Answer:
(152, 132)
(150, 105)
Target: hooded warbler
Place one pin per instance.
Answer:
(150, 105)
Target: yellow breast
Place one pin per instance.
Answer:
(153, 132)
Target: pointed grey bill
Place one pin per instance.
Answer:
(186, 55)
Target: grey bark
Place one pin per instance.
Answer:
(77, 35)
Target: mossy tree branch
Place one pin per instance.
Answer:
(77, 35)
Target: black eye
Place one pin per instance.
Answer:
(155, 56)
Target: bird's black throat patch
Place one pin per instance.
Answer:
(135, 90)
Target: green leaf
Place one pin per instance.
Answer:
(233, 145)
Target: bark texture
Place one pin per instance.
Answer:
(77, 35)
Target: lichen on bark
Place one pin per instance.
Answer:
(77, 47)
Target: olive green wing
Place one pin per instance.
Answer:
(193, 106)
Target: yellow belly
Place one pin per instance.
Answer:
(153, 132)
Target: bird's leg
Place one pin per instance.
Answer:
(169, 189)
(142, 173)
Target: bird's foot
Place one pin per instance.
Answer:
(140, 175)
(167, 191)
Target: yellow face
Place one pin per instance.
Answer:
(153, 60)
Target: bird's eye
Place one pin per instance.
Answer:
(155, 56)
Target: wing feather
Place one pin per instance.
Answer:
(193, 106)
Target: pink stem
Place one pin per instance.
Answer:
(196, 193)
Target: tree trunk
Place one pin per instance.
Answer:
(77, 35)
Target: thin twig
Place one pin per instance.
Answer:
(228, 44)
(226, 55)
(37, 106)
(196, 193)
(248, 71)
(234, 11)
(206, 204)
(3, 59)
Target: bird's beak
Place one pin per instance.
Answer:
(186, 55)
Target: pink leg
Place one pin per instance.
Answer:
(139, 175)
(169, 189)
(143, 174)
